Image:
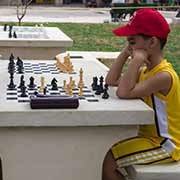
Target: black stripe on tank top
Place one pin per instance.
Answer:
(155, 115)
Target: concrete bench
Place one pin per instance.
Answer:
(175, 21)
(169, 171)
(120, 10)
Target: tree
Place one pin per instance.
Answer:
(21, 9)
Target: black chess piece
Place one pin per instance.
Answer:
(11, 84)
(100, 88)
(19, 62)
(54, 84)
(5, 27)
(10, 34)
(23, 90)
(101, 80)
(14, 34)
(31, 84)
(11, 68)
(21, 81)
(10, 27)
(105, 95)
(45, 90)
(19, 65)
(11, 57)
(94, 85)
(11, 62)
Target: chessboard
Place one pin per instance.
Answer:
(20, 89)
(16, 94)
(20, 67)
(39, 68)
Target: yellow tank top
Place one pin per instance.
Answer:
(167, 111)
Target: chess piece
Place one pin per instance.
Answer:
(105, 95)
(31, 84)
(14, 34)
(11, 68)
(19, 65)
(5, 27)
(54, 84)
(11, 58)
(94, 85)
(100, 88)
(70, 68)
(64, 85)
(45, 90)
(71, 81)
(67, 60)
(69, 90)
(11, 84)
(101, 84)
(42, 86)
(81, 78)
(10, 27)
(10, 34)
(23, 91)
(80, 90)
(21, 81)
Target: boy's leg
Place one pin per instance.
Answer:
(109, 170)
(128, 152)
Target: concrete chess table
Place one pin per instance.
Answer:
(66, 144)
(33, 42)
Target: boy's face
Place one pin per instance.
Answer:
(138, 42)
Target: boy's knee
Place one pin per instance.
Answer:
(109, 161)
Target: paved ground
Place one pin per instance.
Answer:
(64, 14)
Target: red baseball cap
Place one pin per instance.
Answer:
(145, 21)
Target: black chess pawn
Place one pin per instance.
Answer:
(5, 27)
(14, 34)
(31, 84)
(54, 84)
(10, 27)
(94, 85)
(23, 91)
(11, 84)
(105, 95)
(10, 34)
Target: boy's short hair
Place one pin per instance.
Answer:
(161, 40)
(145, 21)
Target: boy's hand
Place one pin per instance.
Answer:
(140, 56)
(127, 51)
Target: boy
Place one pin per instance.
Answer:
(151, 78)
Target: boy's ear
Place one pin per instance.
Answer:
(154, 42)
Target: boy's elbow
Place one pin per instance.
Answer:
(122, 94)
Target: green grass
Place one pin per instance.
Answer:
(99, 37)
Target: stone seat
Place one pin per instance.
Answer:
(170, 171)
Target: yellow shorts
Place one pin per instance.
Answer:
(139, 150)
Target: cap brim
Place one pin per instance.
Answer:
(124, 31)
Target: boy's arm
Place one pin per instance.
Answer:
(115, 71)
(128, 86)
